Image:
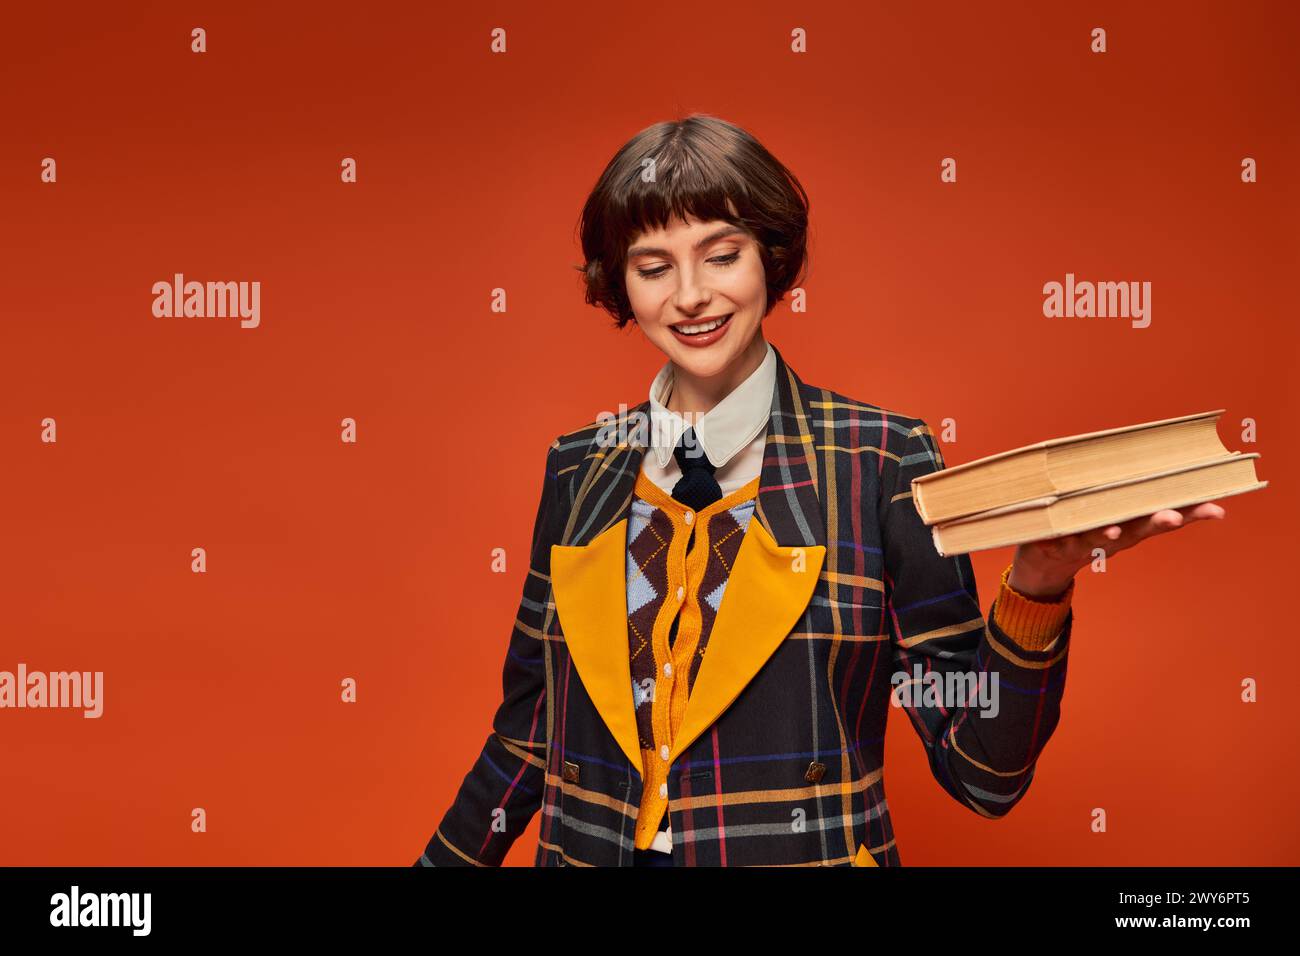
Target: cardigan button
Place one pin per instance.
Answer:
(570, 772)
(688, 517)
(815, 772)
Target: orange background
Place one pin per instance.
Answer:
(372, 560)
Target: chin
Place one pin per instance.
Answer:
(703, 366)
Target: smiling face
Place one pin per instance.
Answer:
(699, 293)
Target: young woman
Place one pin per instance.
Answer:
(728, 580)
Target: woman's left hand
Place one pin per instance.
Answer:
(1043, 569)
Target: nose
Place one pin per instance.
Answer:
(693, 293)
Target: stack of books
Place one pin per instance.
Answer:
(1066, 485)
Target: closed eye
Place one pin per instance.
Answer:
(723, 261)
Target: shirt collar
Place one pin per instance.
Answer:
(724, 429)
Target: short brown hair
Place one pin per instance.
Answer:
(705, 167)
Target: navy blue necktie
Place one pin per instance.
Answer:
(697, 488)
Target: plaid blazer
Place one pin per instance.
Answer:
(779, 760)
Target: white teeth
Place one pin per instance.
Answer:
(703, 327)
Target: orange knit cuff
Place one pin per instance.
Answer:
(1031, 623)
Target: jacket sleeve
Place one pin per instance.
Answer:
(503, 790)
(982, 743)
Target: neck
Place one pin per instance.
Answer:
(693, 395)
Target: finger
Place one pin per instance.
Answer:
(1117, 537)
(1171, 518)
(1110, 538)
(1166, 520)
(1206, 509)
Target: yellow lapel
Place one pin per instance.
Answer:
(589, 582)
(766, 594)
(864, 857)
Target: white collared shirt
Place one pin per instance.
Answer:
(732, 433)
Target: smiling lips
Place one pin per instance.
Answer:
(700, 334)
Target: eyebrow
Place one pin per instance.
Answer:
(712, 237)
